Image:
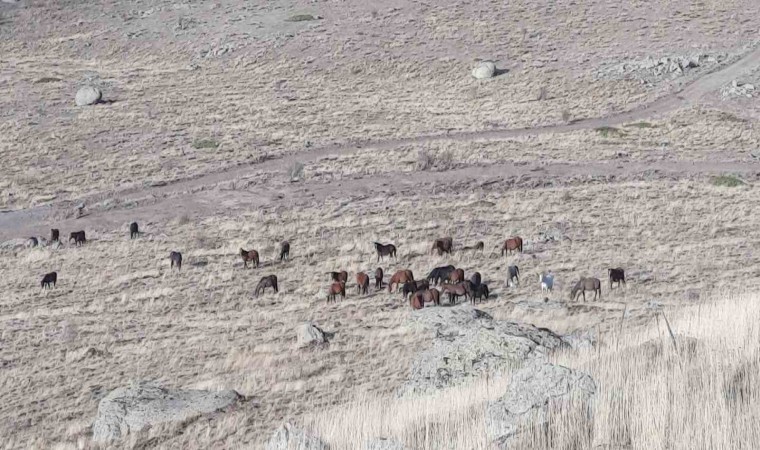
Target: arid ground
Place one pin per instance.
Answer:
(234, 124)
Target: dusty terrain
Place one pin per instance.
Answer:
(211, 105)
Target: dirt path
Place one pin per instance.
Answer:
(194, 198)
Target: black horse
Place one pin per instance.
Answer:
(385, 250)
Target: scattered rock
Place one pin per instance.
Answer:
(738, 89)
(649, 70)
(469, 344)
(308, 334)
(88, 95)
(132, 408)
(529, 395)
(383, 444)
(485, 69)
(289, 437)
(84, 353)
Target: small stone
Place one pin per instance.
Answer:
(88, 95)
(485, 69)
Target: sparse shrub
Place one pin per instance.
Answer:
(205, 143)
(300, 18)
(296, 171)
(608, 132)
(427, 160)
(727, 181)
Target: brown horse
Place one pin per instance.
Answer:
(78, 237)
(385, 250)
(417, 301)
(616, 276)
(265, 282)
(48, 279)
(411, 287)
(457, 290)
(479, 246)
(400, 277)
(339, 276)
(513, 244)
(440, 274)
(54, 234)
(285, 251)
(176, 259)
(443, 245)
(479, 291)
(337, 288)
(586, 284)
(250, 255)
(378, 278)
(432, 295)
(362, 283)
(456, 276)
(134, 230)
(475, 279)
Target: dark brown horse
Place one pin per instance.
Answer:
(475, 279)
(479, 291)
(616, 276)
(176, 259)
(457, 290)
(443, 245)
(362, 283)
(385, 250)
(54, 235)
(265, 282)
(432, 295)
(48, 279)
(78, 237)
(400, 277)
(513, 244)
(337, 288)
(250, 255)
(339, 276)
(456, 276)
(417, 301)
(134, 230)
(285, 251)
(411, 287)
(586, 284)
(378, 278)
(440, 274)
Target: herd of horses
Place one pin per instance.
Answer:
(440, 281)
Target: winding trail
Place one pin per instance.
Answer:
(192, 195)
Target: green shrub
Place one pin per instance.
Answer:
(205, 143)
(727, 181)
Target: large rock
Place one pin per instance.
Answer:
(132, 408)
(469, 345)
(308, 334)
(532, 392)
(485, 69)
(290, 437)
(384, 444)
(88, 95)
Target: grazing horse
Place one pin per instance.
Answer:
(513, 276)
(339, 276)
(511, 245)
(362, 283)
(475, 279)
(616, 276)
(134, 231)
(285, 251)
(400, 277)
(385, 250)
(443, 245)
(48, 279)
(457, 290)
(250, 255)
(337, 288)
(54, 235)
(440, 274)
(456, 276)
(586, 284)
(265, 282)
(479, 246)
(417, 301)
(431, 295)
(547, 282)
(79, 237)
(410, 287)
(176, 259)
(33, 242)
(378, 278)
(479, 291)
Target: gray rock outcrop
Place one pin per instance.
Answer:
(290, 437)
(531, 391)
(132, 408)
(470, 345)
(88, 95)
(308, 334)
